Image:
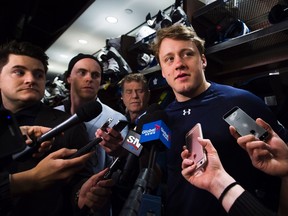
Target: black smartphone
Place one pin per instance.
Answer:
(11, 138)
(106, 124)
(244, 124)
(87, 148)
(120, 125)
(112, 168)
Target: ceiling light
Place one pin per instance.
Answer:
(111, 19)
(64, 56)
(129, 11)
(81, 41)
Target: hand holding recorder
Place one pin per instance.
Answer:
(112, 138)
(213, 173)
(95, 192)
(118, 127)
(270, 156)
(244, 124)
(196, 151)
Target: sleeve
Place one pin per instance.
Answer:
(247, 205)
(5, 196)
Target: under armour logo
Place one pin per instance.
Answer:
(186, 112)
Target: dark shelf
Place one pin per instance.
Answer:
(263, 49)
(262, 37)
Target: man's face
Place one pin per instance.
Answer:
(22, 82)
(135, 97)
(183, 67)
(85, 79)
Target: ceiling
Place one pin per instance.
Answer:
(57, 26)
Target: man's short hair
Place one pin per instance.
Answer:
(136, 77)
(177, 32)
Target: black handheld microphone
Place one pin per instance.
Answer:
(278, 13)
(152, 108)
(87, 148)
(85, 113)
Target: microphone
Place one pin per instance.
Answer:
(278, 13)
(130, 168)
(84, 114)
(132, 143)
(156, 136)
(154, 130)
(132, 140)
(133, 146)
(152, 108)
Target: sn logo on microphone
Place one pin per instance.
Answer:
(134, 142)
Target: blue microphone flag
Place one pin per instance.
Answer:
(156, 130)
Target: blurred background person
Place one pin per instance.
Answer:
(135, 95)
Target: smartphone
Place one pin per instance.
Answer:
(11, 138)
(89, 147)
(194, 147)
(106, 124)
(244, 124)
(112, 168)
(120, 125)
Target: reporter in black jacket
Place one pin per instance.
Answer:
(23, 68)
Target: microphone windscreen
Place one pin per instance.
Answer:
(155, 116)
(89, 111)
(153, 107)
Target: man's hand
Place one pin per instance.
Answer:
(270, 156)
(95, 192)
(34, 132)
(112, 141)
(52, 168)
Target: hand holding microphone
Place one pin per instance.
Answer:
(84, 114)
(36, 131)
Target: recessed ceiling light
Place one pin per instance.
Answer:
(129, 11)
(63, 56)
(81, 41)
(111, 19)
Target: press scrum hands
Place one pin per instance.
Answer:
(213, 173)
(95, 192)
(35, 132)
(213, 178)
(270, 155)
(111, 141)
(52, 168)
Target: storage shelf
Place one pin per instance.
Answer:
(264, 48)
(277, 31)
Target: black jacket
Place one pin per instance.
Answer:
(58, 199)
